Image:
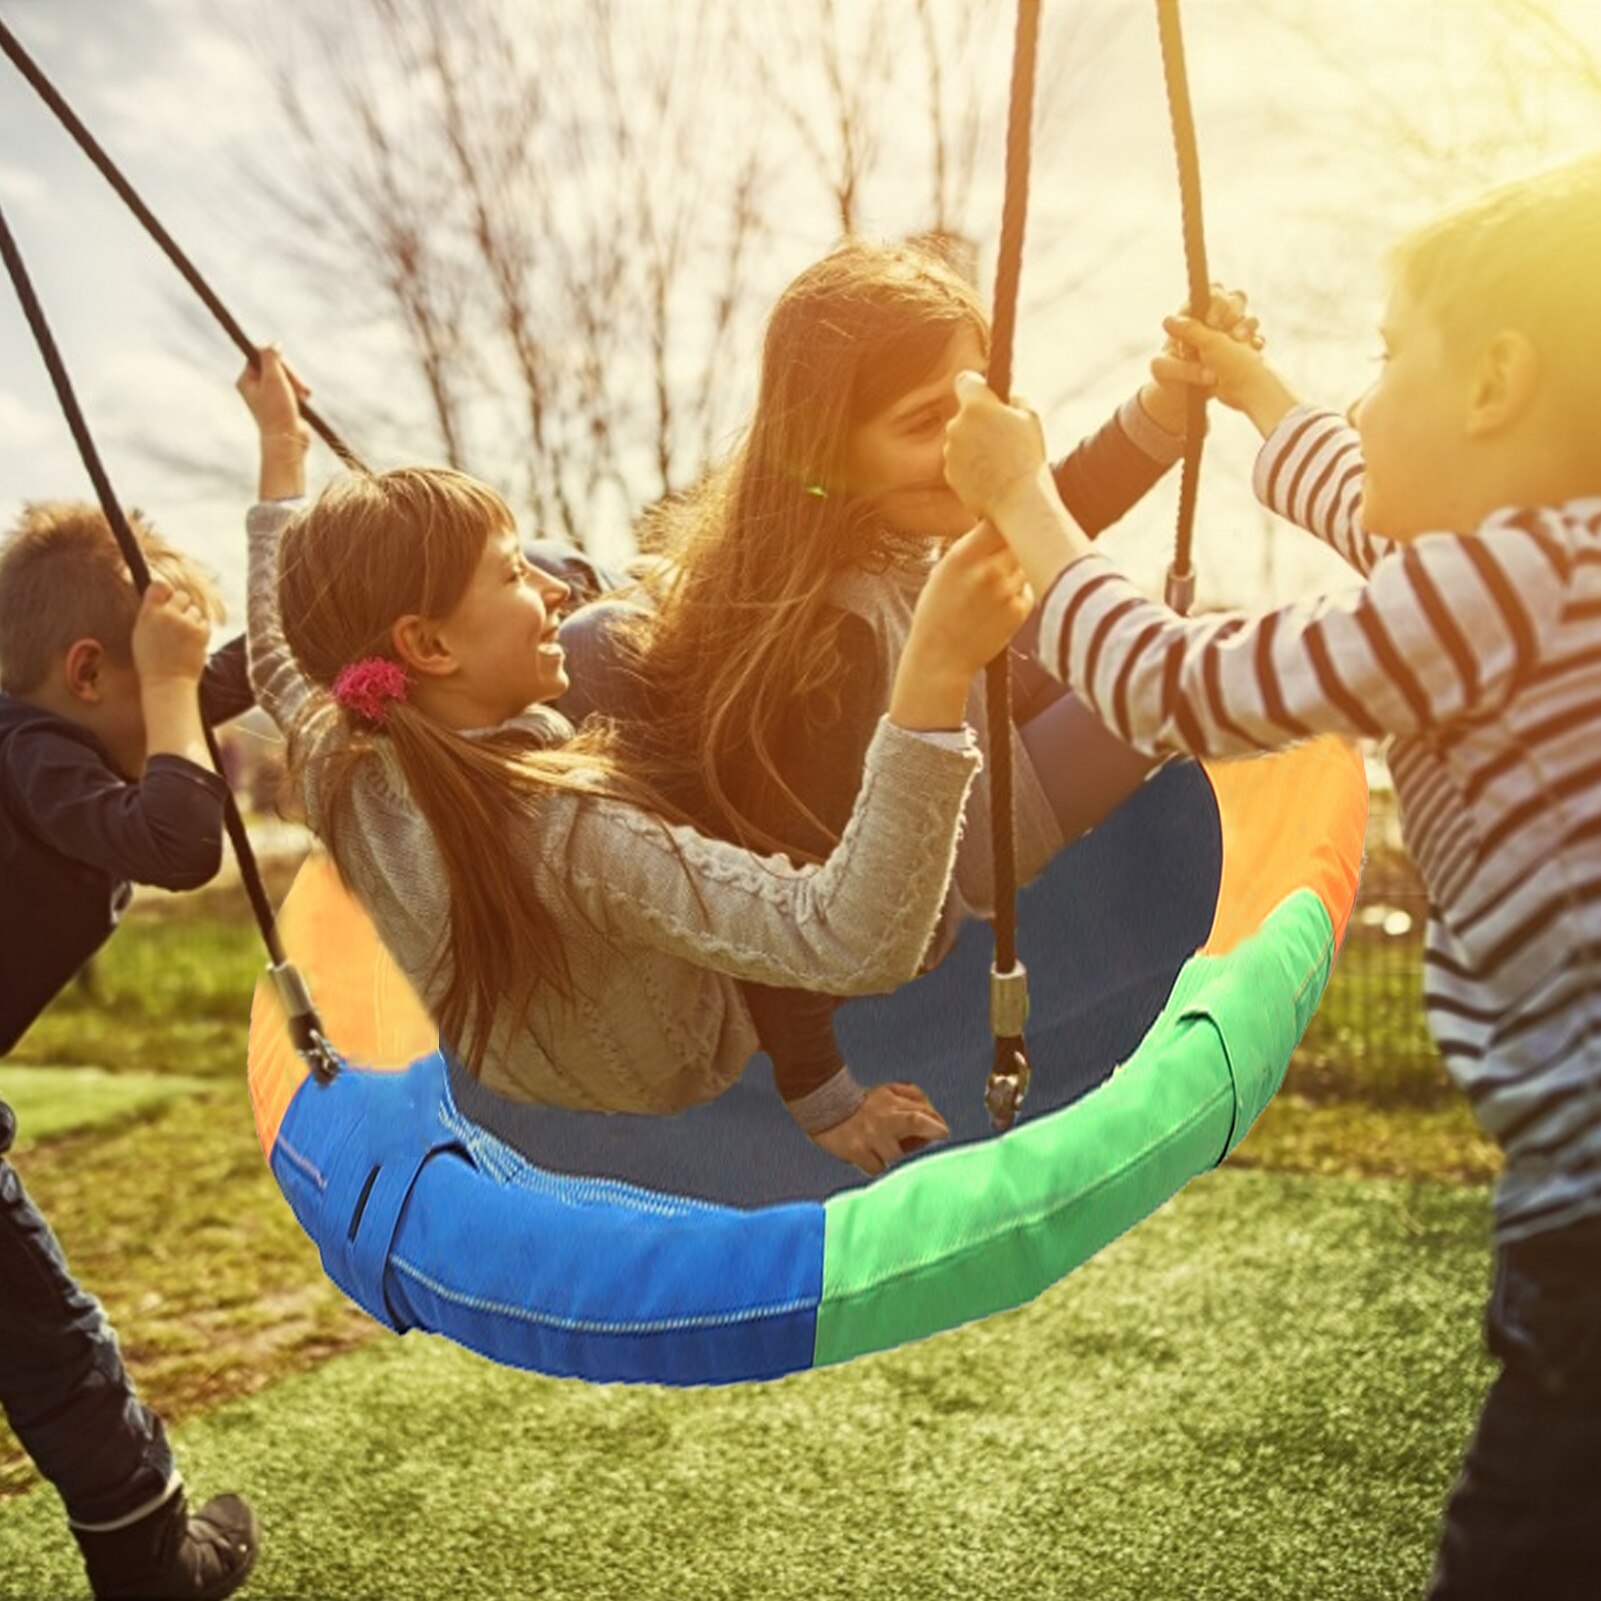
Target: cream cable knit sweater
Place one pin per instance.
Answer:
(657, 1023)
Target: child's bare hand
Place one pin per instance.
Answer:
(976, 598)
(1175, 370)
(990, 447)
(170, 635)
(893, 1120)
(273, 392)
(1232, 369)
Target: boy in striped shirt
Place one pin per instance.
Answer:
(1466, 488)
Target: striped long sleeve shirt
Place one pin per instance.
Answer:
(1479, 658)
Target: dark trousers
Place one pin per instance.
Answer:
(1524, 1520)
(62, 1381)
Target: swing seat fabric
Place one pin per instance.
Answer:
(1176, 955)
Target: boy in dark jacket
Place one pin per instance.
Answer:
(105, 780)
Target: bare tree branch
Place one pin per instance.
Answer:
(527, 213)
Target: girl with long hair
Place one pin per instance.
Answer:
(574, 937)
(752, 666)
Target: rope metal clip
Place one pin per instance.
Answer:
(305, 1027)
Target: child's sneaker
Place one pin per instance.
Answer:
(171, 1556)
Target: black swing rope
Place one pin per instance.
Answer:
(1181, 575)
(109, 170)
(304, 1026)
(1009, 1071)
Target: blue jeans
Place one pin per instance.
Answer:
(62, 1382)
(1524, 1519)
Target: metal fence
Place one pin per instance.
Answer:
(1371, 1022)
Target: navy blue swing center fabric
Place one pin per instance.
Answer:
(1107, 925)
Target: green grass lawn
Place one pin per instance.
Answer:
(1259, 1393)
(1264, 1391)
(52, 1101)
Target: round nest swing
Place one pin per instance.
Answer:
(1177, 954)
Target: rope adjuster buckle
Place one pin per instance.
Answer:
(1009, 1073)
(1008, 1002)
(305, 1027)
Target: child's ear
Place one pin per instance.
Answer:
(421, 647)
(84, 668)
(1505, 384)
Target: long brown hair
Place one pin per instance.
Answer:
(374, 548)
(742, 633)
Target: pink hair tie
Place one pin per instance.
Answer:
(367, 687)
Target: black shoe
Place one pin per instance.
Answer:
(171, 1556)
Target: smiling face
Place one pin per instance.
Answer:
(896, 457)
(502, 633)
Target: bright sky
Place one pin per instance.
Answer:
(1306, 182)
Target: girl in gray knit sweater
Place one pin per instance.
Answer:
(577, 942)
